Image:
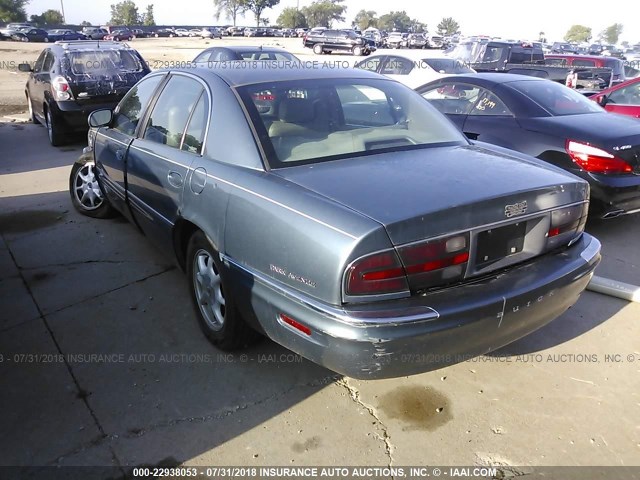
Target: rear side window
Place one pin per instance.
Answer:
(194, 136)
(172, 111)
(129, 110)
(103, 62)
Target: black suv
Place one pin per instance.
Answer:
(328, 41)
(71, 79)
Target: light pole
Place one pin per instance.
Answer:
(62, 7)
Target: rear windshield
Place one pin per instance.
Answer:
(447, 65)
(555, 98)
(102, 62)
(318, 120)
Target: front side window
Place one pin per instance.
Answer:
(453, 98)
(48, 62)
(171, 112)
(489, 104)
(130, 108)
(583, 63)
(37, 68)
(319, 120)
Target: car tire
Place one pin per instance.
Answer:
(86, 195)
(213, 302)
(356, 50)
(32, 113)
(156, 35)
(56, 137)
(171, 35)
(317, 49)
(46, 40)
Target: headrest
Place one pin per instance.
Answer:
(296, 110)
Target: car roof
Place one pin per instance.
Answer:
(490, 78)
(77, 45)
(261, 72)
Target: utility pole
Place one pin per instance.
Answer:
(64, 21)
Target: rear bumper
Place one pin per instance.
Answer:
(73, 116)
(409, 336)
(611, 194)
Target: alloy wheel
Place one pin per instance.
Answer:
(86, 188)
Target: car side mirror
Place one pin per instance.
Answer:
(25, 67)
(602, 100)
(100, 118)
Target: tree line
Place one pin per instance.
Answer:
(580, 34)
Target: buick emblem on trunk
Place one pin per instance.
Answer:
(515, 209)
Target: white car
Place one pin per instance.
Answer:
(414, 69)
(181, 32)
(210, 32)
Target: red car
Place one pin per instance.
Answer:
(120, 35)
(623, 98)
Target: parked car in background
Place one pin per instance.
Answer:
(553, 123)
(30, 34)
(623, 98)
(244, 52)
(14, 27)
(235, 31)
(120, 35)
(211, 32)
(64, 35)
(396, 40)
(139, 33)
(70, 80)
(94, 33)
(412, 68)
(563, 47)
(181, 32)
(328, 41)
(417, 40)
(314, 225)
(435, 41)
(164, 32)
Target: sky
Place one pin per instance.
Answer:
(517, 20)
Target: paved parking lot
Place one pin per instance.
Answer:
(102, 362)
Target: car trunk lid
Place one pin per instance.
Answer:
(426, 193)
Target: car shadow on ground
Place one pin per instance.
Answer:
(107, 356)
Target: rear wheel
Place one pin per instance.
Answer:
(356, 50)
(317, 49)
(56, 137)
(86, 195)
(212, 299)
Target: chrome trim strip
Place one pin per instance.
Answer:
(363, 319)
(286, 207)
(111, 138)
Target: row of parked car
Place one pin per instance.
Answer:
(349, 208)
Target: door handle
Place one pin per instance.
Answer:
(175, 179)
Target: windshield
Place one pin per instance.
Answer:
(103, 62)
(555, 98)
(318, 120)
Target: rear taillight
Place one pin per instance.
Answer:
(436, 262)
(595, 160)
(60, 88)
(376, 274)
(567, 224)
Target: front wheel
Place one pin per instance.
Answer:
(357, 50)
(212, 298)
(86, 195)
